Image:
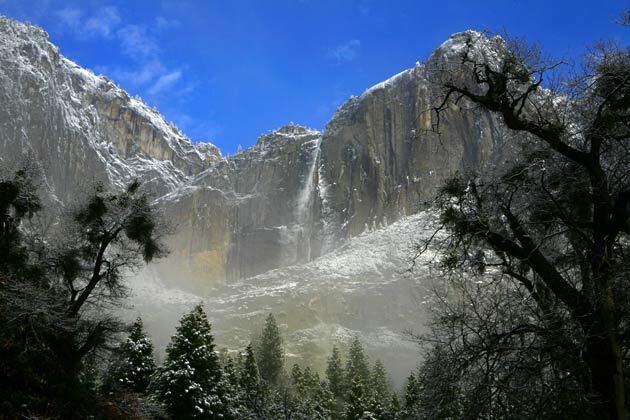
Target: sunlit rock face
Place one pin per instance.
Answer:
(82, 127)
(313, 226)
(297, 193)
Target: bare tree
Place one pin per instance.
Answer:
(55, 299)
(556, 218)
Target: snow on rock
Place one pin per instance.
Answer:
(81, 126)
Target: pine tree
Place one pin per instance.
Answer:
(412, 396)
(230, 372)
(310, 399)
(335, 374)
(379, 381)
(336, 382)
(134, 366)
(392, 411)
(270, 354)
(229, 390)
(250, 382)
(357, 368)
(189, 382)
(358, 401)
(379, 388)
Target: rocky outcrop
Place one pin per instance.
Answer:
(293, 196)
(250, 213)
(262, 223)
(383, 154)
(297, 194)
(82, 127)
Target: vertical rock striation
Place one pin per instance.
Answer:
(296, 194)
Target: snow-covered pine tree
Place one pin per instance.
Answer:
(133, 364)
(337, 384)
(357, 368)
(379, 388)
(359, 403)
(234, 395)
(270, 354)
(189, 382)
(379, 381)
(335, 374)
(249, 379)
(412, 396)
(321, 400)
(393, 410)
(230, 372)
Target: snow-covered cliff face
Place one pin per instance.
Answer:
(298, 194)
(381, 153)
(82, 127)
(293, 196)
(315, 227)
(250, 213)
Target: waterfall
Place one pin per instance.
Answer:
(328, 226)
(306, 193)
(304, 205)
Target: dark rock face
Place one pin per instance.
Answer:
(252, 212)
(293, 196)
(383, 158)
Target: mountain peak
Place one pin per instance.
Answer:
(287, 132)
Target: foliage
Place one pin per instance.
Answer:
(545, 233)
(188, 382)
(270, 352)
(133, 364)
(49, 344)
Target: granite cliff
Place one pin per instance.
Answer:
(296, 224)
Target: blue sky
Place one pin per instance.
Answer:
(227, 71)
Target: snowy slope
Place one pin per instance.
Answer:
(362, 289)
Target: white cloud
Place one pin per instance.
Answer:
(165, 81)
(346, 52)
(70, 17)
(102, 23)
(146, 72)
(135, 41)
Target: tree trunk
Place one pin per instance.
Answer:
(603, 355)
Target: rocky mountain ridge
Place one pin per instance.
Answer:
(293, 196)
(311, 225)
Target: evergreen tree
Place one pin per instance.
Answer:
(310, 399)
(270, 355)
(230, 372)
(250, 382)
(189, 382)
(336, 382)
(393, 410)
(322, 402)
(379, 381)
(335, 374)
(379, 388)
(359, 402)
(412, 396)
(234, 395)
(134, 364)
(357, 368)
